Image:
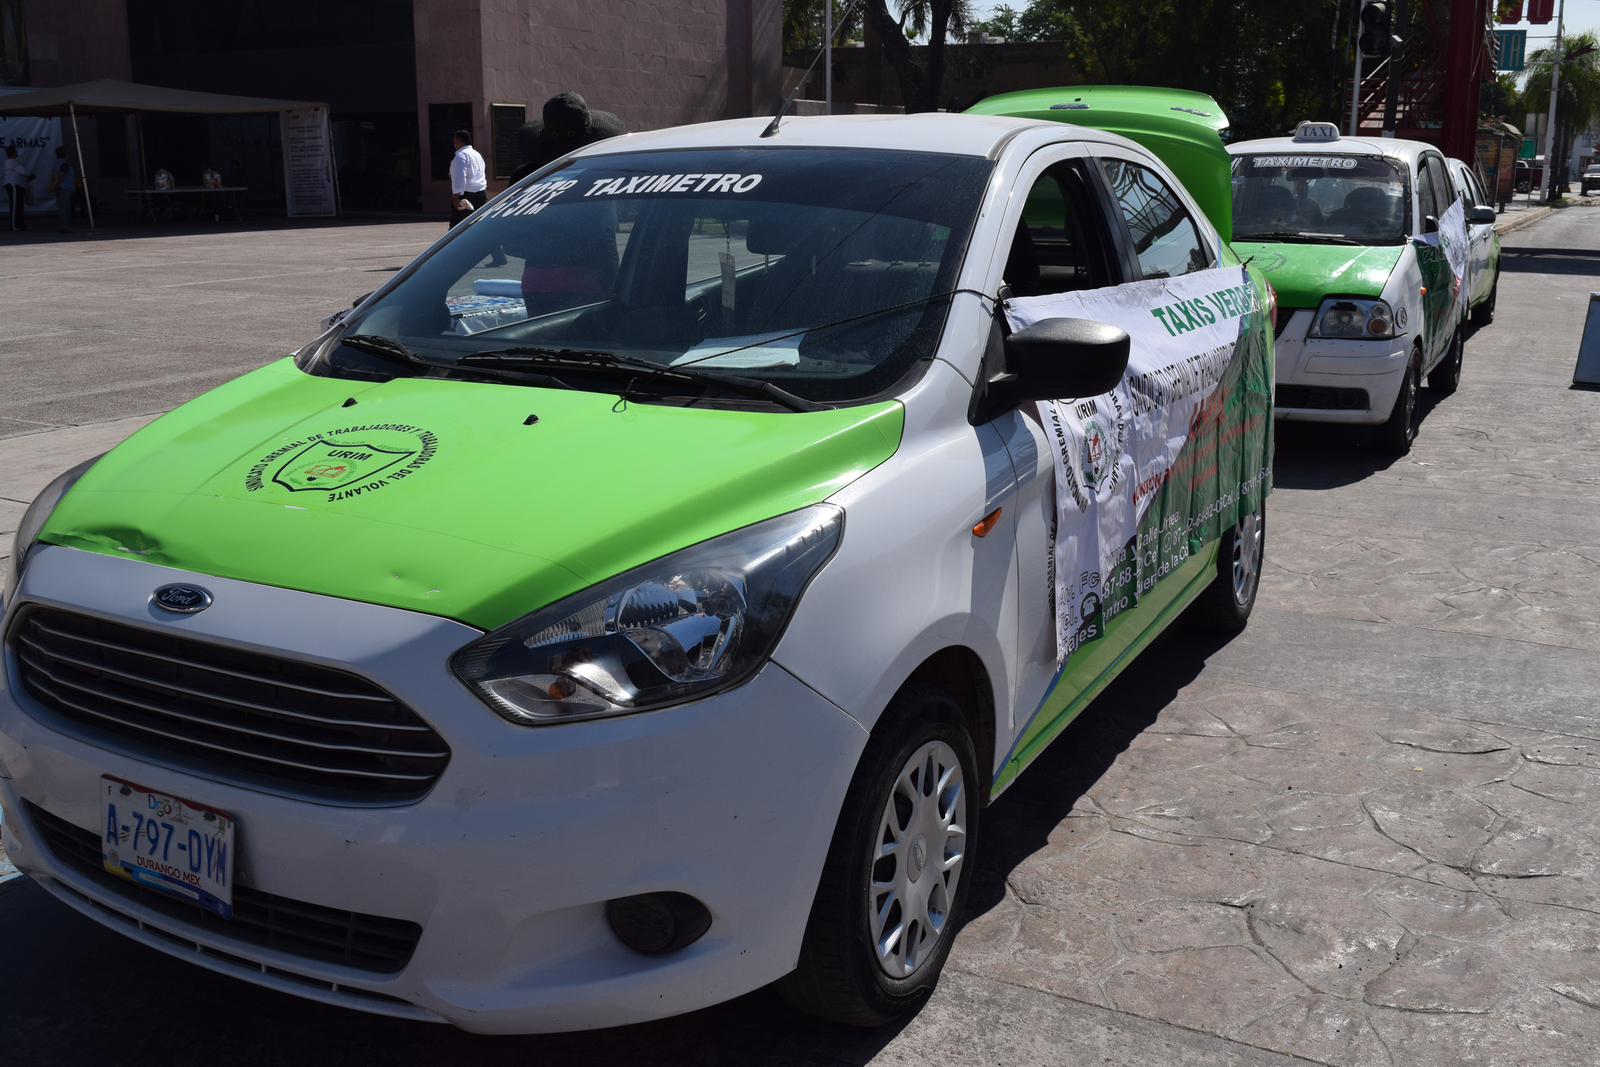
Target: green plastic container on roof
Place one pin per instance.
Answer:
(1182, 128)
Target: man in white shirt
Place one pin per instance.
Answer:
(468, 181)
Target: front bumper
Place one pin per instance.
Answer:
(507, 862)
(1334, 372)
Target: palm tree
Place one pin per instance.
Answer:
(1577, 95)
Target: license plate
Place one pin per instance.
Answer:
(170, 844)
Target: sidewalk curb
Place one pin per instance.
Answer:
(1503, 228)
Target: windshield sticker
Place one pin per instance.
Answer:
(1325, 162)
(345, 463)
(529, 201)
(675, 183)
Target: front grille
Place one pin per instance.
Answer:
(278, 719)
(1322, 397)
(366, 942)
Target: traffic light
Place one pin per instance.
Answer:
(1377, 29)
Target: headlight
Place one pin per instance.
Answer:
(687, 625)
(1353, 317)
(33, 521)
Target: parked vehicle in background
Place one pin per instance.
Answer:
(634, 601)
(1483, 263)
(1589, 179)
(1524, 176)
(1366, 307)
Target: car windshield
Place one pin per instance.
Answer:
(825, 272)
(1309, 197)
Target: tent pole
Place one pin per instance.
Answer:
(88, 201)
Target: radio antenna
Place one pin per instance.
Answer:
(772, 127)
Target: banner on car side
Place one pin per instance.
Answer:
(1178, 452)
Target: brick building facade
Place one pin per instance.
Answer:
(393, 70)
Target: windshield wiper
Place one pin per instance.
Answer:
(609, 363)
(392, 351)
(1300, 235)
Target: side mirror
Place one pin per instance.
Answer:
(1430, 224)
(1482, 215)
(1054, 359)
(1058, 358)
(357, 301)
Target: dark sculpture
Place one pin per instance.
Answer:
(567, 124)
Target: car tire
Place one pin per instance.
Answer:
(1396, 435)
(1225, 606)
(887, 869)
(1483, 314)
(1446, 377)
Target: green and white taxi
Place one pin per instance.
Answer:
(634, 602)
(1357, 235)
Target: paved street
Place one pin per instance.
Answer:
(1363, 832)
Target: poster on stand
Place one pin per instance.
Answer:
(308, 162)
(35, 141)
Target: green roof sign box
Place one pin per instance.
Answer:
(1182, 128)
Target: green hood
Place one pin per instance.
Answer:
(437, 496)
(1303, 274)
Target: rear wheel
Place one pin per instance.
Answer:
(1226, 604)
(1483, 314)
(898, 870)
(1397, 434)
(1447, 375)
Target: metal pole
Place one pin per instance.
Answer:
(88, 201)
(1550, 123)
(827, 44)
(1397, 62)
(1355, 97)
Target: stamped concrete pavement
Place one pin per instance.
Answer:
(1362, 832)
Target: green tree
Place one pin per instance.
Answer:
(920, 82)
(1577, 94)
(803, 23)
(1041, 20)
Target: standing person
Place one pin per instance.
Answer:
(468, 180)
(566, 123)
(16, 187)
(62, 182)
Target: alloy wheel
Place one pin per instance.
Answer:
(1247, 557)
(917, 859)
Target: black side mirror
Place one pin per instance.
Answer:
(1430, 224)
(357, 301)
(1054, 359)
(1482, 215)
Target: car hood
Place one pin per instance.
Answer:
(445, 496)
(1302, 274)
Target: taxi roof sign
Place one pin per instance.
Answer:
(1316, 132)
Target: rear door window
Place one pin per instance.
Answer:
(1165, 239)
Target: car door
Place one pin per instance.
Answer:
(1080, 221)
(1478, 236)
(1435, 193)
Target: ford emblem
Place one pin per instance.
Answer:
(181, 599)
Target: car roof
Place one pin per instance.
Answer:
(967, 135)
(1392, 147)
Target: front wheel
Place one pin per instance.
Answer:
(1446, 377)
(1226, 604)
(1397, 434)
(1483, 314)
(898, 870)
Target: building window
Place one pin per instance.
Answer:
(505, 122)
(443, 121)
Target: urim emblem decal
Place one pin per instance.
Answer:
(345, 463)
